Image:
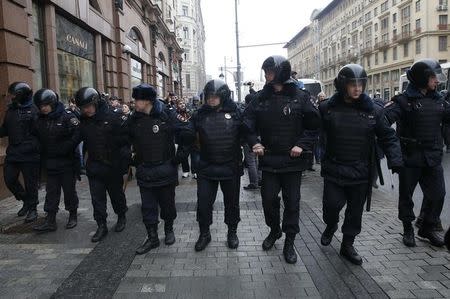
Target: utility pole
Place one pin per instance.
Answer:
(238, 75)
(225, 66)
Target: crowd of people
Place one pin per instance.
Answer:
(280, 131)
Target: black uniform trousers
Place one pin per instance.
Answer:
(206, 196)
(113, 184)
(185, 165)
(152, 197)
(30, 172)
(335, 196)
(55, 182)
(289, 184)
(431, 181)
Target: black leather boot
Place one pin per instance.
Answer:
(232, 238)
(23, 211)
(439, 227)
(433, 236)
(102, 231)
(31, 215)
(349, 252)
(121, 222)
(168, 231)
(419, 221)
(203, 239)
(327, 235)
(447, 239)
(290, 256)
(49, 225)
(73, 221)
(152, 240)
(274, 235)
(408, 234)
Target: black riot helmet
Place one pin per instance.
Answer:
(422, 70)
(20, 92)
(280, 66)
(350, 73)
(45, 96)
(216, 88)
(87, 95)
(144, 91)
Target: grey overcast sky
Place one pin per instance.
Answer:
(260, 22)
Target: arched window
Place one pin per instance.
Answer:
(136, 36)
(95, 5)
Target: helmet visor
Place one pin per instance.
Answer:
(357, 82)
(441, 77)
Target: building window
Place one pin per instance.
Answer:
(375, 11)
(406, 50)
(395, 75)
(94, 4)
(187, 55)
(442, 43)
(384, 6)
(185, 32)
(76, 58)
(386, 94)
(394, 18)
(39, 48)
(188, 81)
(136, 36)
(443, 20)
(185, 10)
(136, 73)
(406, 13)
(418, 49)
(384, 24)
(417, 5)
(394, 53)
(376, 58)
(385, 54)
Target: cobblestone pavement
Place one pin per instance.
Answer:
(66, 264)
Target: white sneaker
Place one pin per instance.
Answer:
(195, 176)
(185, 175)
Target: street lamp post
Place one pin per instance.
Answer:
(238, 68)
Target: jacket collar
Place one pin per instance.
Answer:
(364, 103)
(413, 92)
(227, 106)
(59, 109)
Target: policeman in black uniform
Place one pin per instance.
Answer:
(22, 154)
(152, 129)
(105, 138)
(219, 126)
(59, 134)
(350, 123)
(279, 114)
(420, 113)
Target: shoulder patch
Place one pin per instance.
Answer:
(388, 104)
(74, 121)
(124, 117)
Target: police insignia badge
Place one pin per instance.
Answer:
(155, 129)
(227, 116)
(74, 121)
(287, 110)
